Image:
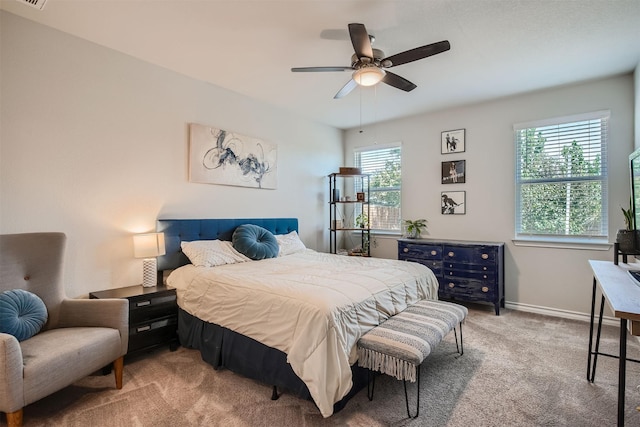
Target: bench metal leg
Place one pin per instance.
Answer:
(371, 383)
(460, 349)
(406, 396)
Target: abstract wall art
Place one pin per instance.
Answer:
(218, 156)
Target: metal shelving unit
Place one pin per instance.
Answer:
(344, 210)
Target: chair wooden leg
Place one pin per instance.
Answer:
(14, 419)
(118, 368)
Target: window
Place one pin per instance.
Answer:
(383, 164)
(561, 179)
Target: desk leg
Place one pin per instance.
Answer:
(597, 349)
(622, 371)
(593, 304)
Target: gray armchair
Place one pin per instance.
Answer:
(81, 336)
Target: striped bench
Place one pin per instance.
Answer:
(398, 346)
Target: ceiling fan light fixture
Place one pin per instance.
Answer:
(368, 76)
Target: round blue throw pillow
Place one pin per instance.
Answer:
(22, 313)
(255, 242)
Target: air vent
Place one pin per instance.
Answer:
(38, 4)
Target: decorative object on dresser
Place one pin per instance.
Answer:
(149, 246)
(153, 315)
(452, 141)
(413, 228)
(453, 202)
(349, 219)
(466, 271)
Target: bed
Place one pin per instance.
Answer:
(290, 321)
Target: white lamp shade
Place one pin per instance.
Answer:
(368, 76)
(148, 245)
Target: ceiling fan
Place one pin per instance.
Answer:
(369, 65)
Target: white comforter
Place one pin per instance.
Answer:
(312, 306)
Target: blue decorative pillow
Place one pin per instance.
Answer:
(255, 242)
(22, 313)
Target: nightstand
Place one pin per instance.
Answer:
(153, 316)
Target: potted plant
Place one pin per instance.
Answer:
(362, 220)
(626, 236)
(413, 228)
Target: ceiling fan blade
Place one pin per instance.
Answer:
(334, 34)
(351, 84)
(398, 82)
(360, 40)
(315, 69)
(417, 53)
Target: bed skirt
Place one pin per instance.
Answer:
(222, 348)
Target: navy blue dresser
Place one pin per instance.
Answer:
(466, 271)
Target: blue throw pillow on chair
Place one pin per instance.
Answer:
(22, 313)
(255, 242)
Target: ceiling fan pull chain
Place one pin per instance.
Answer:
(360, 93)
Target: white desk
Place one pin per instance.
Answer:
(623, 297)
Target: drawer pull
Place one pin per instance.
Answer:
(451, 254)
(434, 253)
(143, 328)
(485, 289)
(405, 250)
(143, 303)
(452, 285)
(485, 256)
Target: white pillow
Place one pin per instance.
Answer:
(290, 243)
(210, 253)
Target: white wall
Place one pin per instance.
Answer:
(94, 143)
(540, 277)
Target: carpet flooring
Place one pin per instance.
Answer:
(518, 369)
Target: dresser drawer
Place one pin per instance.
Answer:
(147, 334)
(468, 289)
(473, 254)
(151, 306)
(462, 271)
(417, 251)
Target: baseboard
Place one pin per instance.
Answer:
(566, 314)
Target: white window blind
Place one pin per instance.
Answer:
(561, 178)
(383, 164)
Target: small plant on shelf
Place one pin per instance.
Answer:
(413, 228)
(362, 221)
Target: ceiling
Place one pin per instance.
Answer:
(498, 47)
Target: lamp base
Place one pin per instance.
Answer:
(149, 272)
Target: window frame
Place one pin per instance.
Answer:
(357, 162)
(597, 242)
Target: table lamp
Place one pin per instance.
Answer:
(149, 246)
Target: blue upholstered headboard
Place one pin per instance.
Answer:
(178, 230)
